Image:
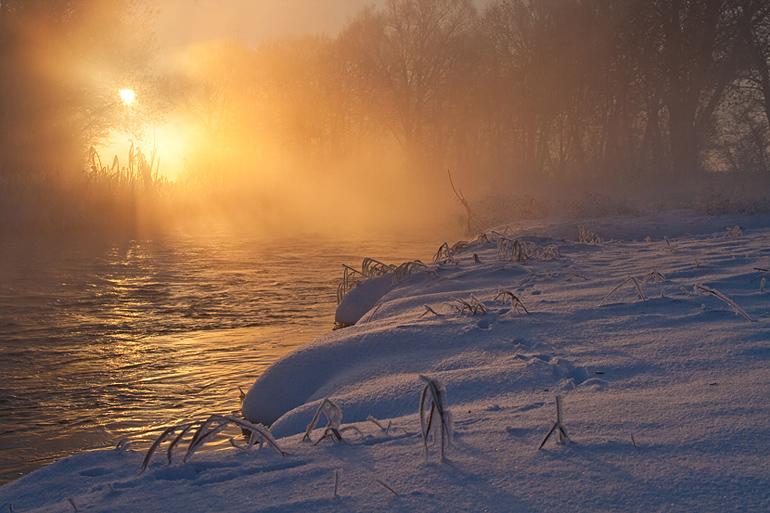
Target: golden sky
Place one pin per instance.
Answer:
(182, 22)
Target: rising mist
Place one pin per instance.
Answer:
(538, 108)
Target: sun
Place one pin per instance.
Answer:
(128, 96)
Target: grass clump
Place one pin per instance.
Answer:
(519, 250)
(586, 236)
(470, 306)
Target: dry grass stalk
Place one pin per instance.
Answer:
(732, 304)
(429, 310)
(408, 268)
(470, 306)
(654, 277)
(506, 296)
(586, 236)
(763, 278)
(435, 417)
(336, 482)
(637, 286)
(165, 434)
(256, 432)
(336, 434)
(518, 250)
(203, 434)
(387, 487)
(331, 412)
(558, 426)
(372, 268)
(512, 249)
(184, 429)
(444, 255)
(384, 429)
(350, 278)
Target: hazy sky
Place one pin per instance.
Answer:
(251, 21)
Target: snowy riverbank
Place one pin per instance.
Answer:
(665, 397)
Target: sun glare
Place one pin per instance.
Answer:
(128, 96)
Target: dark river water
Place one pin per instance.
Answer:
(105, 341)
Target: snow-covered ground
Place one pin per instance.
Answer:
(666, 399)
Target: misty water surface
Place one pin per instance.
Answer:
(101, 341)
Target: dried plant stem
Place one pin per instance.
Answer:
(385, 429)
(504, 296)
(737, 309)
(637, 286)
(333, 415)
(558, 426)
(429, 310)
(336, 482)
(204, 434)
(432, 405)
(387, 487)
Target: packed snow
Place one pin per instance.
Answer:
(664, 386)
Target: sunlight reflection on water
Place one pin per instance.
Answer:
(104, 341)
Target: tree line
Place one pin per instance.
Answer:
(505, 89)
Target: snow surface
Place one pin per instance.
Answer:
(363, 298)
(666, 400)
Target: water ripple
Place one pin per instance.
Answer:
(102, 341)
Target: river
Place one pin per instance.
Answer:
(101, 341)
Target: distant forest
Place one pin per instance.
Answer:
(507, 90)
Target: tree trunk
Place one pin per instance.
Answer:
(682, 137)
